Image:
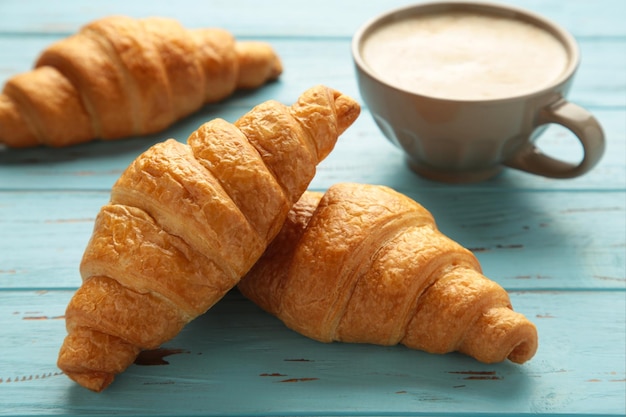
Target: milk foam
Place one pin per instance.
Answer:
(464, 55)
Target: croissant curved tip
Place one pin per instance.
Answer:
(14, 131)
(94, 381)
(258, 64)
(348, 111)
(526, 347)
(276, 69)
(522, 353)
(501, 334)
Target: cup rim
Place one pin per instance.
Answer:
(437, 6)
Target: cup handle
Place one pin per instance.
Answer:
(582, 124)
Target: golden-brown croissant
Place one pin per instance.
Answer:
(186, 222)
(366, 264)
(119, 77)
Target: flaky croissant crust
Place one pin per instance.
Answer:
(365, 264)
(186, 221)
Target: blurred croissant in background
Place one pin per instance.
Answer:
(120, 77)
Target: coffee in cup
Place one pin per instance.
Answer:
(466, 88)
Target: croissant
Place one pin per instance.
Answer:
(185, 222)
(366, 264)
(120, 76)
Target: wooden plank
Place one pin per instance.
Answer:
(558, 246)
(98, 165)
(277, 18)
(238, 360)
(598, 83)
(43, 237)
(362, 154)
(525, 240)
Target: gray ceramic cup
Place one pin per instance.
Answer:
(468, 140)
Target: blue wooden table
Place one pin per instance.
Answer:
(558, 246)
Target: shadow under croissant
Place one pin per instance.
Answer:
(280, 360)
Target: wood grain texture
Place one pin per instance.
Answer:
(236, 348)
(558, 246)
